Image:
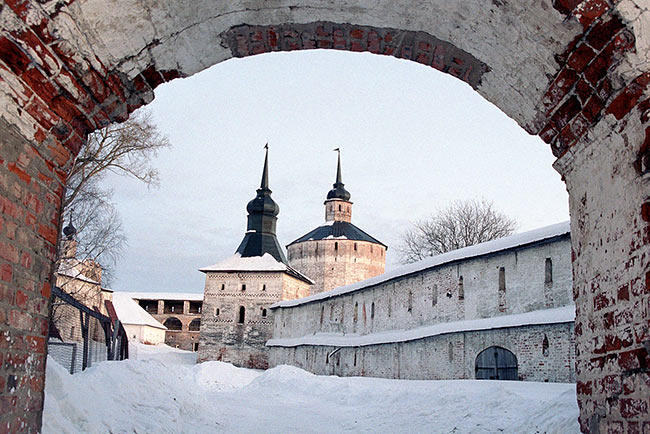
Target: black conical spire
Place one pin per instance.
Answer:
(260, 236)
(264, 185)
(338, 192)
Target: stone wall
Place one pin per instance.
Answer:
(447, 356)
(576, 73)
(224, 335)
(434, 295)
(337, 262)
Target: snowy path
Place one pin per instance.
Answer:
(164, 392)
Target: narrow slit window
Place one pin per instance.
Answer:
(223, 286)
(243, 287)
(356, 312)
(372, 310)
(264, 287)
(263, 313)
(502, 289)
(336, 245)
(216, 311)
(548, 271)
(461, 288)
(242, 315)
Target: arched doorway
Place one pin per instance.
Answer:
(575, 73)
(496, 363)
(195, 325)
(173, 324)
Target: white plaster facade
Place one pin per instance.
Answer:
(520, 277)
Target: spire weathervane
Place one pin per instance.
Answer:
(264, 185)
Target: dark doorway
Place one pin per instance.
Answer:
(496, 363)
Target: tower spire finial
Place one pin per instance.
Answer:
(264, 185)
(339, 191)
(338, 167)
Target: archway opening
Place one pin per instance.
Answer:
(496, 363)
(173, 324)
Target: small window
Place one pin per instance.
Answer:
(355, 358)
(216, 311)
(545, 346)
(355, 247)
(263, 313)
(242, 315)
(264, 287)
(223, 286)
(372, 310)
(410, 301)
(340, 208)
(451, 352)
(72, 332)
(243, 287)
(356, 312)
(548, 271)
(336, 245)
(322, 314)
(461, 289)
(502, 289)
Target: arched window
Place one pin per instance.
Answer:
(243, 287)
(339, 207)
(242, 315)
(195, 325)
(263, 313)
(216, 311)
(496, 363)
(173, 323)
(336, 245)
(502, 289)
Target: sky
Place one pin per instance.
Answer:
(412, 140)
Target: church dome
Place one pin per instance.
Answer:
(263, 204)
(338, 192)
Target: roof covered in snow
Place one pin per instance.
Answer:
(489, 247)
(337, 230)
(72, 268)
(130, 312)
(563, 314)
(142, 295)
(237, 263)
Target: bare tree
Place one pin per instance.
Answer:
(463, 223)
(124, 149)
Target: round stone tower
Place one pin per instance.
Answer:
(337, 253)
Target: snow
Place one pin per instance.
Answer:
(72, 268)
(493, 246)
(163, 391)
(253, 263)
(130, 312)
(547, 316)
(142, 295)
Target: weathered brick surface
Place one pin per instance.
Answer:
(574, 72)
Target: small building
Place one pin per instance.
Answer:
(139, 325)
(179, 312)
(337, 253)
(236, 320)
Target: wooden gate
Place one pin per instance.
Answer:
(496, 363)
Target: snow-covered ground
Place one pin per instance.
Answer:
(161, 390)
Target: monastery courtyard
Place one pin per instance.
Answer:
(162, 390)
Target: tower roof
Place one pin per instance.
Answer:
(260, 235)
(338, 192)
(337, 230)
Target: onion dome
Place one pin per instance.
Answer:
(70, 231)
(263, 203)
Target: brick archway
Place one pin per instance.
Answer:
(575, 73)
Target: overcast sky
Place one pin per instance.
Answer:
(412, 140)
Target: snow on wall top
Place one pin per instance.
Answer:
(564, 314)
(254, 263)
(191, 296)
(130, 312)
(488, 247)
